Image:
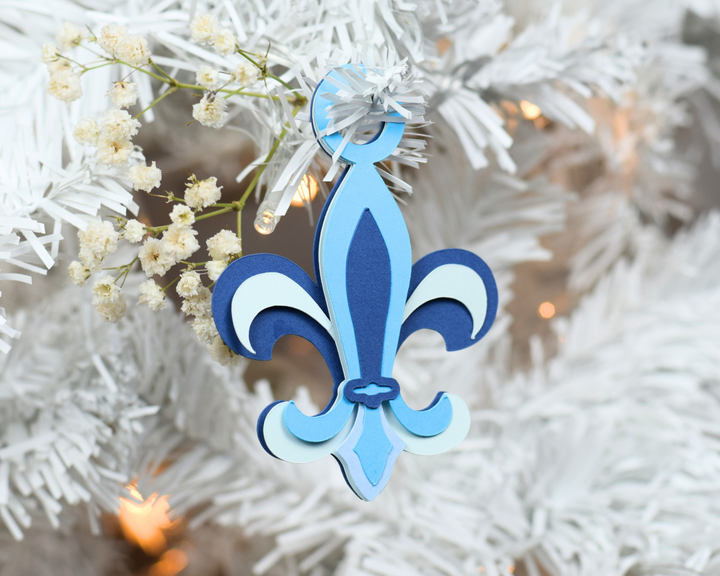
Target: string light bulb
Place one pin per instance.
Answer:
(530, 110)
(265, 222)
(170, 563)
(306, 191)
(145, 524)
(546, 310)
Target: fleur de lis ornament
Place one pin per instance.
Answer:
(369, 298)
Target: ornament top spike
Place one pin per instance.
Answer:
(368, 299)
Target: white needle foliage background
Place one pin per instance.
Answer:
(601, 460)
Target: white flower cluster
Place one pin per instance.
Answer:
(208, 77)
(202, 193)
(64, 83)
(245, 74)
(97, 241)
(68, 36)
(206, 29)
(145, 177)
(210, 111)
(116, 41)
(157, 255)
(112, 136)
(124, 94)
(108, 300)
(178, 243)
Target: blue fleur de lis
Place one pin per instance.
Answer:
(368, 300)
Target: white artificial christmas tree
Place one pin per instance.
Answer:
(584, 131)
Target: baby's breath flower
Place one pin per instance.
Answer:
(208, 77)
(202, 193)
(205, 329)
(99, 237)
(210, 111)
(118, 124)
(50, 53)
(105, 291)
(65, 86)
(223, 245)
(154, 259)
(78, 273)
(224, 42)
(182, 216)
(180, 243)
(145, 177)
(204, 28)
(215, 268)
(110, 37)
(90, 260)
(124, 94)
(198, 305)
(152, 295)
(114, 311)
(222, 354)
(189, 284)
(245, 74)
(86, 132)
(60, 65)
(133, 50)
(134, 231)
(68, 36)
(114, 152)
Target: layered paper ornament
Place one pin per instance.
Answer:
(368, 299)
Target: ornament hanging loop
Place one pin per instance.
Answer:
(380, 147)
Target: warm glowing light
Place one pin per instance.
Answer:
(529, 110)
(509, 107)
(306, 192)
(511, 568)
(265, 222)
(546, 310)
(144, 524)
(443, 45)
(170, 563)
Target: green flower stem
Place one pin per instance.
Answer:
(239, 91)
(236, 206)
(86, 69)
(269, 156)
(163, 95)
(230, 92)
(94, 38)
(165, 80)
(269, 74)
(170, 284)
(170, 197)
(215, 213)
(154, 230)
(125, 271)
(240, 204)
(239, 230)
(160, 70)
(173, 82)
(101, 56)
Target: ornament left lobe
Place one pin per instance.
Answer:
(257, 300)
